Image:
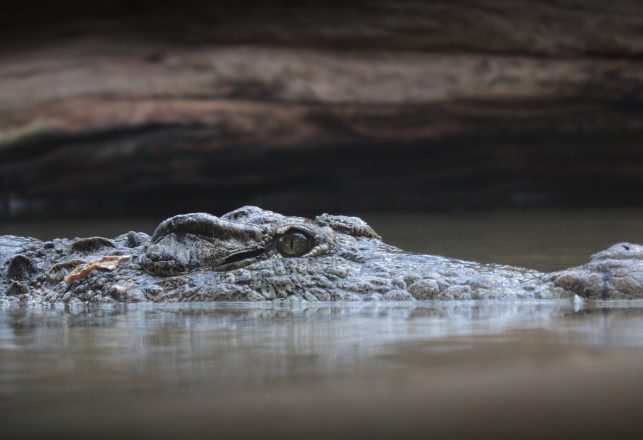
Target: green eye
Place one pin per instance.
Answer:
(294, 244)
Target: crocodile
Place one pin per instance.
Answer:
(251, 254)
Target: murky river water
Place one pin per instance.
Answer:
(388, 370)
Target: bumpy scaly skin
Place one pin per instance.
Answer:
(200, 257)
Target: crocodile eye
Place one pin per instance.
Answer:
(294, 244)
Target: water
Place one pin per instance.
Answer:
(389, 370)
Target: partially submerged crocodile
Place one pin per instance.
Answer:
(255, 255)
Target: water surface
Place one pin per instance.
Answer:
(341, 370)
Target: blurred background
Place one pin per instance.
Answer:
(120, 108)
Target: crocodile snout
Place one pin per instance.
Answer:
(616, 272)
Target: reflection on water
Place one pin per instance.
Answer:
(228, 345)
(150, 369)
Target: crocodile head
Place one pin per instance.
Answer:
(251, 253)
(246, 254)
(254, 254)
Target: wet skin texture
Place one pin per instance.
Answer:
(255, 255)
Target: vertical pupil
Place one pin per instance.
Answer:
(293, 244)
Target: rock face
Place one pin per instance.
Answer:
(428, 105)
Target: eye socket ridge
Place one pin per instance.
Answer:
(294, 242)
